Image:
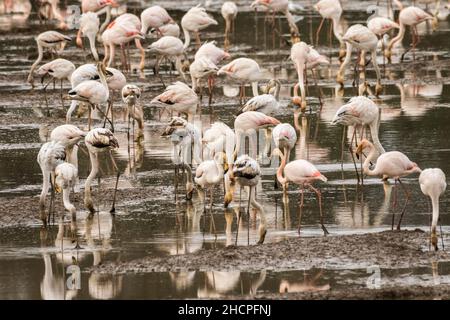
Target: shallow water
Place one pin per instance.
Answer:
(415, 111)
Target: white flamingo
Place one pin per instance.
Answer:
(229, 12)
(178, 97)
(168, 47)
(89, 27)
(98, 140)
(195, 20)
(433, 184)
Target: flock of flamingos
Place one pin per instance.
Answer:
(228, 160)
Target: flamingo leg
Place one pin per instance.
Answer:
(210, 211)
(394, 205)
(319, 198)
(300, 208)
(248, 214)
(318, 31)
(351, 153)
(407, 195)
(113, 207)
(239, 216)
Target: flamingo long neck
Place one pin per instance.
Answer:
(435, 215)
(301, 81)
(107, 9)
(87, 186)
(348, 55)
(374, 128)
(38, 60)
(187, 39)
(103, 78)
(398, 37)
(179, 67)
(262, 215)
(66, 200)
(366, 164)
(255, 88)
(45, 186)
(91, 38)
(336, 27)
(375, 64)
(281, 179)
(277, 91)
(291, 21)
(227, 25)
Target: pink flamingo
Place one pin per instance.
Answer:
(278, 6)
(168, 47)
(392, 164)
(154, 18)
(302, 173)
(178, 97)
(332, 10)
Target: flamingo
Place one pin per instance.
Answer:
(58, 69)
(69, 136)
(433, 184)
(303, 173)
(246, 124)
(332, 10)
(155, 17)
(409, 16)
(195, 20)
(243, 70)
(299, 56)
(50, 40)
(131, 95)
(66, 177)
(120, 32)
(210, 51)
(209, 174)
(361, 37)
(265, 103)
(168, 47)
(49, 157)
(279, 6)
(229, 12)
(360, 111)
(49, 10)
(116, 81)
(89, 27)
(392, 164)
(284, 137)
(185, 137)
(92, 92)
(170, 29)
(99, 7)
(178, 97)
(220, 137)
(199, 69)
(98, 140)
(247, 173)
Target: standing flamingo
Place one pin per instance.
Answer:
(131, 95)
(247, 173)
(209, 174)
(210, 51)
(49, 157)
(92, 92)
(303, 173)
(219, 137)
(365, 40)
(229, 12)
(299, 56)
(266, 103)
(154, 17)
(279, 6)
(178, 97)
(392, 164)
(200, 69)
(409, 16)
(69, 136)
(331, 9)
(246, 125)
(243, 70)
(66, 177)
(98, 140)
(284, 137)
(50, 40)
(360, 112)
(89, 27)
(195, 20)
(58, 69)
(433, 184)
(168, 47)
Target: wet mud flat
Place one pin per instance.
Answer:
(387, 250)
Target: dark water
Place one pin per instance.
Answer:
(415, 111)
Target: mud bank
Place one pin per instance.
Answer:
(388, 249)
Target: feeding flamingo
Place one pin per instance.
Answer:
(229, 12)
(50, 40)
(266, 103)
(433, 184)
(195, 20)
(243, 70)
(168, 47)
(154, 17)
(66, 178)
(178, 97)
(98, 140)
(332, 10)
(89, 27)
(392, 164)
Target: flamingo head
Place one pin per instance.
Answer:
(364, 144)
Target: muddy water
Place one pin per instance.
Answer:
(33, 263)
